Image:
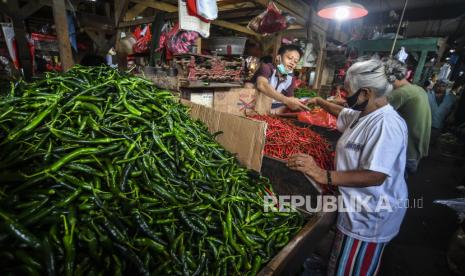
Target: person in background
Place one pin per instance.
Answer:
(456, 88)
(370, 164)
(429, 84)
(459, 116)
(441, 103)
(411, 102)
(277, 81)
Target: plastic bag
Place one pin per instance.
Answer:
(207, 9)
(143, 38)
(192, 10)
(177, 41)
(270, 21)
(180, 42)
(457, 204)
(318, 117)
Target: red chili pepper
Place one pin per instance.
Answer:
(284, 139)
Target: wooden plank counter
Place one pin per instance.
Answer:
(290, 259)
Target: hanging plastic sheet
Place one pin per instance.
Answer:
(9, 35)
(191, 23)
(272, 20)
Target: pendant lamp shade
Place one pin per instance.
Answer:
(343, 10)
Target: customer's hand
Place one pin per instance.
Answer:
(295, 104)
(307, 165)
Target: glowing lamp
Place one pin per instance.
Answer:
(343, 10)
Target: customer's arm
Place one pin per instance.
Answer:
(356, 178)
(330, 107)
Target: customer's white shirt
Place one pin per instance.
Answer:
(376, 142)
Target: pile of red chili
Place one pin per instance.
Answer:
(284, 139)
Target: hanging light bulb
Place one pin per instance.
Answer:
(342, 13)
(343, 10)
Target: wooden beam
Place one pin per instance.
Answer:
(276, 44)
(295, 27)
(300, 13)
(99, 39)
(234, 27)
(134, 11)
(6, 10)
(236, 6)
(107, 9)
(145, 20)
(121, 7)
(171, 8)
(96, 22)
(61, 25)
(157, 5)
(30, 8)
(321, 40)
(245, 13)
(49, 3)
(240, 13)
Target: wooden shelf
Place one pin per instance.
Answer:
(201, 84)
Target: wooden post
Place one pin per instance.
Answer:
(277, 44)
(198, 43)
(421, 64)
(320, 61)
(107, 10)
(61, 25)
(20, 35)
(120, 10)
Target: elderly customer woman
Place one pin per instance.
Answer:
(370, 164)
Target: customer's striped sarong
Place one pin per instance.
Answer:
(352, 257)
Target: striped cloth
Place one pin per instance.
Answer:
(350, 256)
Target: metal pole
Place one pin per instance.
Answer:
(398, 28)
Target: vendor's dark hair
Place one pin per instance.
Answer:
(290, 47)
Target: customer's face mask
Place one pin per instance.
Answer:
(352, 102)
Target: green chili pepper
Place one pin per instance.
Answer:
(19, 231)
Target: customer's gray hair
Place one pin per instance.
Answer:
(372, 74)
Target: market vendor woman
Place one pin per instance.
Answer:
(370, 164)
(277, 81)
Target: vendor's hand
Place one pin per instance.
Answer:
(313, 101)
(307, 165)
(295, 104)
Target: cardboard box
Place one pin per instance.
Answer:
(238, 101)
(205, 98)
(241, 101)
(241, 136)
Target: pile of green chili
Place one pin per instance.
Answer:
(102, 173)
